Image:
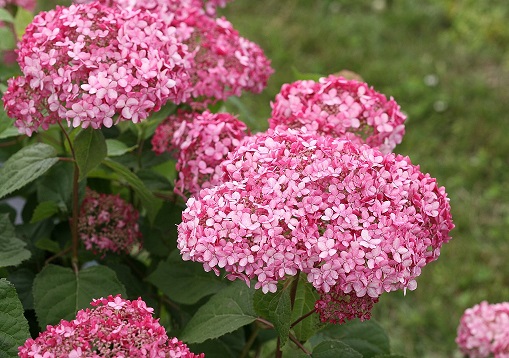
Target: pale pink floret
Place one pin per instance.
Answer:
(114, 327)
(108, 223)
(341, 108)
(92, 65)
(355, 221)
(484, 331)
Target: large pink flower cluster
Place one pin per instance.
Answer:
(341, 108)
(223, 63)
(108, 223)
(355, 221)
(484, 331)
(94, 66)
(114, 327)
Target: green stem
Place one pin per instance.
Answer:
(279, 352)
(293, 289)
(75, 204)
(291, 336)
(303, 317)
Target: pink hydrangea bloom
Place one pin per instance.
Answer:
(341, 108)
(484, 331)
(223, 63)
(114, 327)
(355, 221)
(94, 66)
(108, 223)
(209, 138)
(200, 143)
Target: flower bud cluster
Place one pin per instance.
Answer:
(108, 223)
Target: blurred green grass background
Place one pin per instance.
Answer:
(446, 64)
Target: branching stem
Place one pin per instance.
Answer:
(75, 203)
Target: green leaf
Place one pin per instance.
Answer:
(90, 149)
(12, 249)
(56, 186)
(389, 356)
(366, 337)
(13, 325)
(47, 244)
(277, 308)
(228, 346)
(174, 275)
(44, 210)
(6, 123)
(134, 286)
(21, 21)
(116, 147)
(304, 303)
(25, 166)
(148, 200)
(226, 311)
(23, 280)
(335, 349)
(5, 16)
(59, 292)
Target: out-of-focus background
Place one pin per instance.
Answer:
(446, 62)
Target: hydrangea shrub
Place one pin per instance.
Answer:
(137, 183)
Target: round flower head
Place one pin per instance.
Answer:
(341, 108)
(484, 331)
(108, 223)
(223, 63)
(94, 66)
(355, 221)
(207, 141)
(114, 327)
